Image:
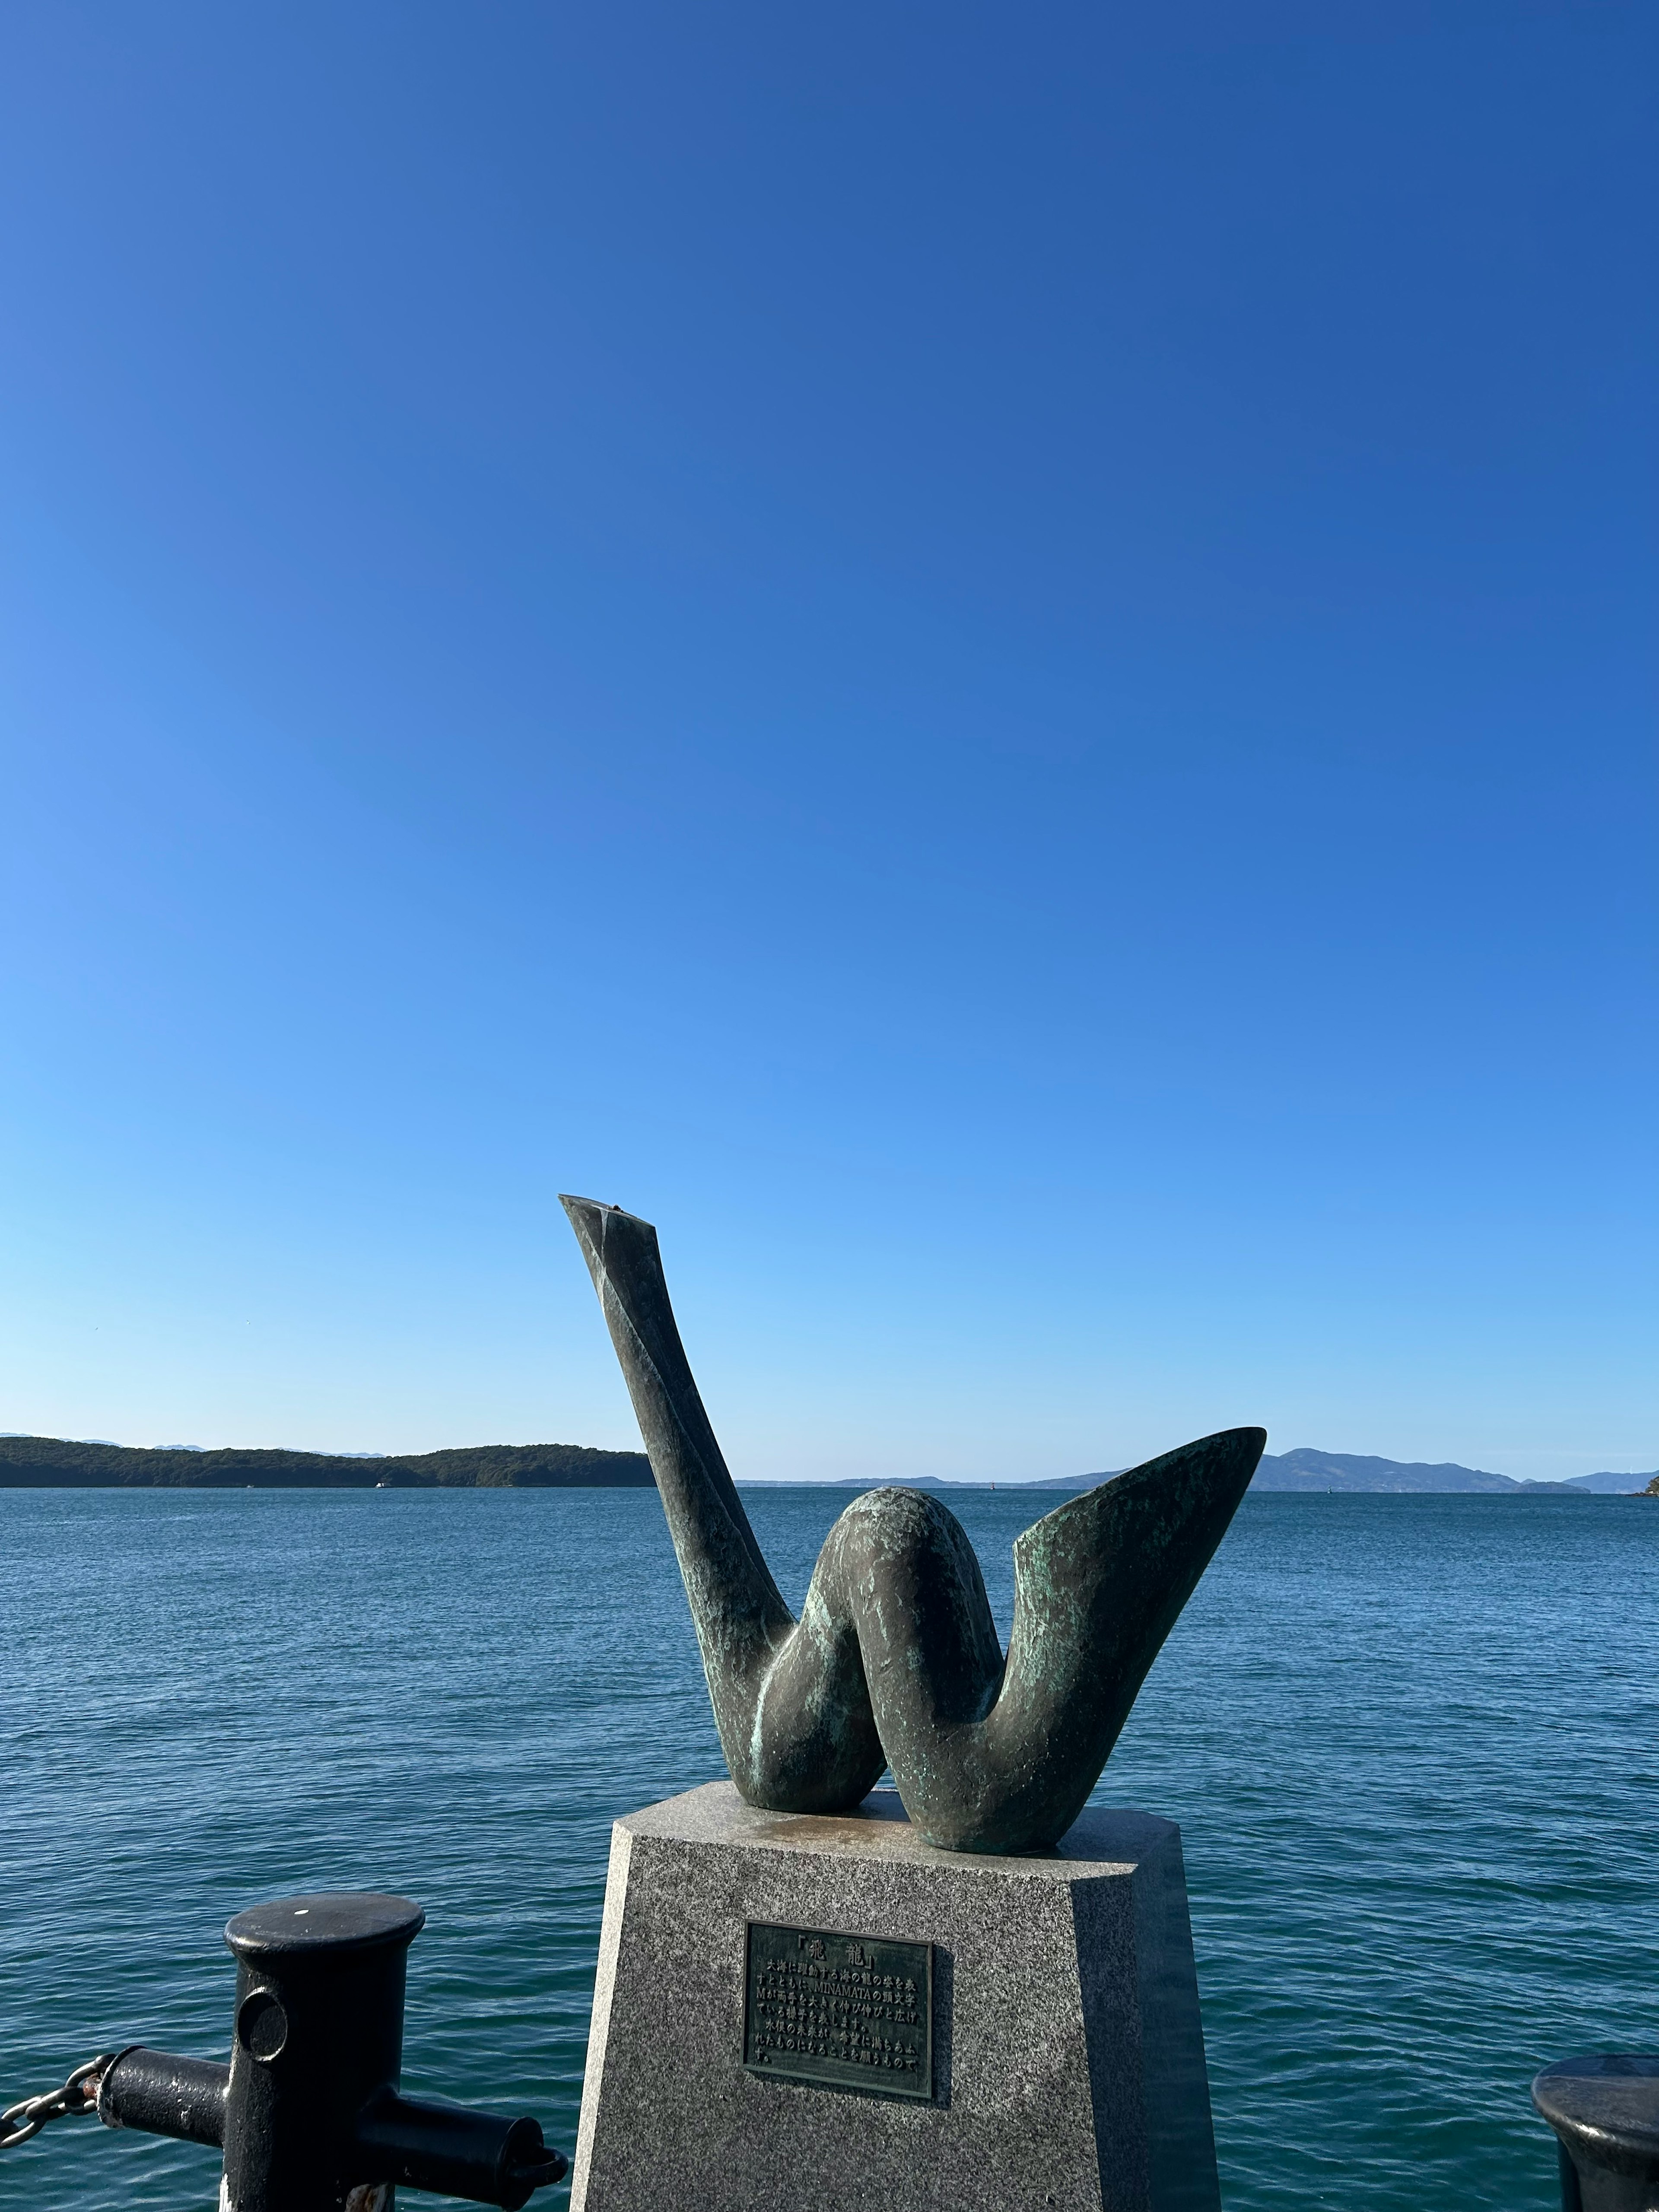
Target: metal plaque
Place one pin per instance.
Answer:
(847, 2012)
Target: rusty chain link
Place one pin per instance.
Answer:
(21, 2123)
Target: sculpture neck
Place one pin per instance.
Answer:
(736, 1607)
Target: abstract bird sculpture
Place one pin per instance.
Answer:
(895, 1660)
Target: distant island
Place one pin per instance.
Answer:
(51, 1463)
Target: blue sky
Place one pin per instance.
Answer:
(996, 662)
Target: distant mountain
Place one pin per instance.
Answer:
(1307, 1469)
(51, 1463)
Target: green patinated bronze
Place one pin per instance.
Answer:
(895, 1660)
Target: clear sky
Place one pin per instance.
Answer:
(995, 661)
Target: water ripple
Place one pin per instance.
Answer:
(1411, 1743)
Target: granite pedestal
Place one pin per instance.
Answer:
(1065, 2068)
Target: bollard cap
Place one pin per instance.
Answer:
(332, 1921)
(1605, 2108)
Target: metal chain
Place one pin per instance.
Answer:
(78, 2097)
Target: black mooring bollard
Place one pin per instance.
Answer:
(1605, 2111)
(309, 2113)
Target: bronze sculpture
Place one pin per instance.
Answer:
(895, 1660)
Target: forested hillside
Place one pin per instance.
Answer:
(50, 1462)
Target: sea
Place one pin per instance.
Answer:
(1412, 1744)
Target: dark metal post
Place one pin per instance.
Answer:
(308, 2111)
(1605, 2111)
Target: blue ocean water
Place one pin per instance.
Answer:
(1412, 1744)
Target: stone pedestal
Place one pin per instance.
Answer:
(1066, 2057)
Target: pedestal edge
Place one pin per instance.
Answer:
(1106, 1839)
